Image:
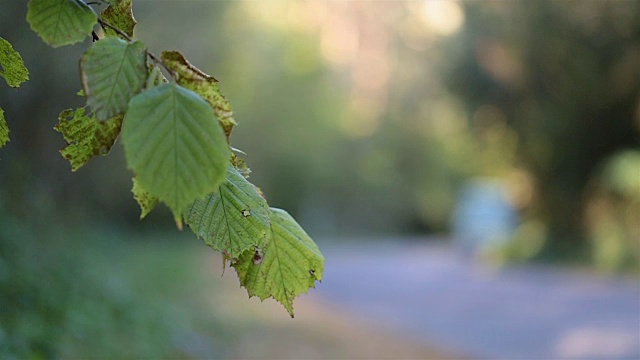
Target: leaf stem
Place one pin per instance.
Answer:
(105, 24)
(155, 59)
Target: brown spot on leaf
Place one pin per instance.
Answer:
(257, 257)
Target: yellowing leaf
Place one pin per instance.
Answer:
(86, 137)
(4, 129)
(146, 201)
(155, 77)
(12, 67)
(204, 85)
(61, 22)
(232, 220)
(113, 71)
(288, 265)
(174, 145)
(120, 15)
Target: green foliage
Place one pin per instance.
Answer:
(288, 264)
(4, 129)
(175, 146)
(86, 137)
(234, 219)
(176, 140)
(12, 67)
(204, 85)
(120, 15)
(146, 201)
(14, 72)
(61, 22)
(87, 293)
(113, 71)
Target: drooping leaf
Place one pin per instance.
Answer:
(204, 85)
(61, 22)
(175, 146)
(12, 67)
(113, 71)
(232, 220)
(146, 201)
(120, 15)
(288, 265)
(4, 129)
(86, 137)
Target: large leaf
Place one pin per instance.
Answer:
(61, 22)
(4, 129)
(113, 71)
(175, 146)
(86, 137)
(120, 15)
(288, 265)
(204, 85)
(232, 220)
(12, 67)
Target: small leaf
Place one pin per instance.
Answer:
(232, 220)
(240, 165)
(12, 67)
(86, 137)
(143, 198)
(61, 22)
(175, 146)
(120, 15)
(204, 85)
(113, 71)
(288, 265)
(155, 77)
(4, 129)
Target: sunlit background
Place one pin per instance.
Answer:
(470, 169)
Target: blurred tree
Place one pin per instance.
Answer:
(566, 76)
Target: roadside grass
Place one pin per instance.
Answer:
(104, 292)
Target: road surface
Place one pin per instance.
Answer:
(428, 291)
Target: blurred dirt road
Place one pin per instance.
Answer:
(428, 292)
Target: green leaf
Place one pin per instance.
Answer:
(113, 71)
(288, 265)
(120, 15)
(204, 85)
(4, 129)
(12, 67)
(146, 201)
(155, 77)
(175, 146)
(61, 22)
(86, 137)
(232, 220)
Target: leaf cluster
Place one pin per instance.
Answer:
(14, 72)
(175, 126)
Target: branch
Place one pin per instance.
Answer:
(105, 24)
(155, 59)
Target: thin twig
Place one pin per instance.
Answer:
(158, 61)
(155, 59)
(117, 30)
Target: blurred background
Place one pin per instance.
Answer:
(471, 171)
